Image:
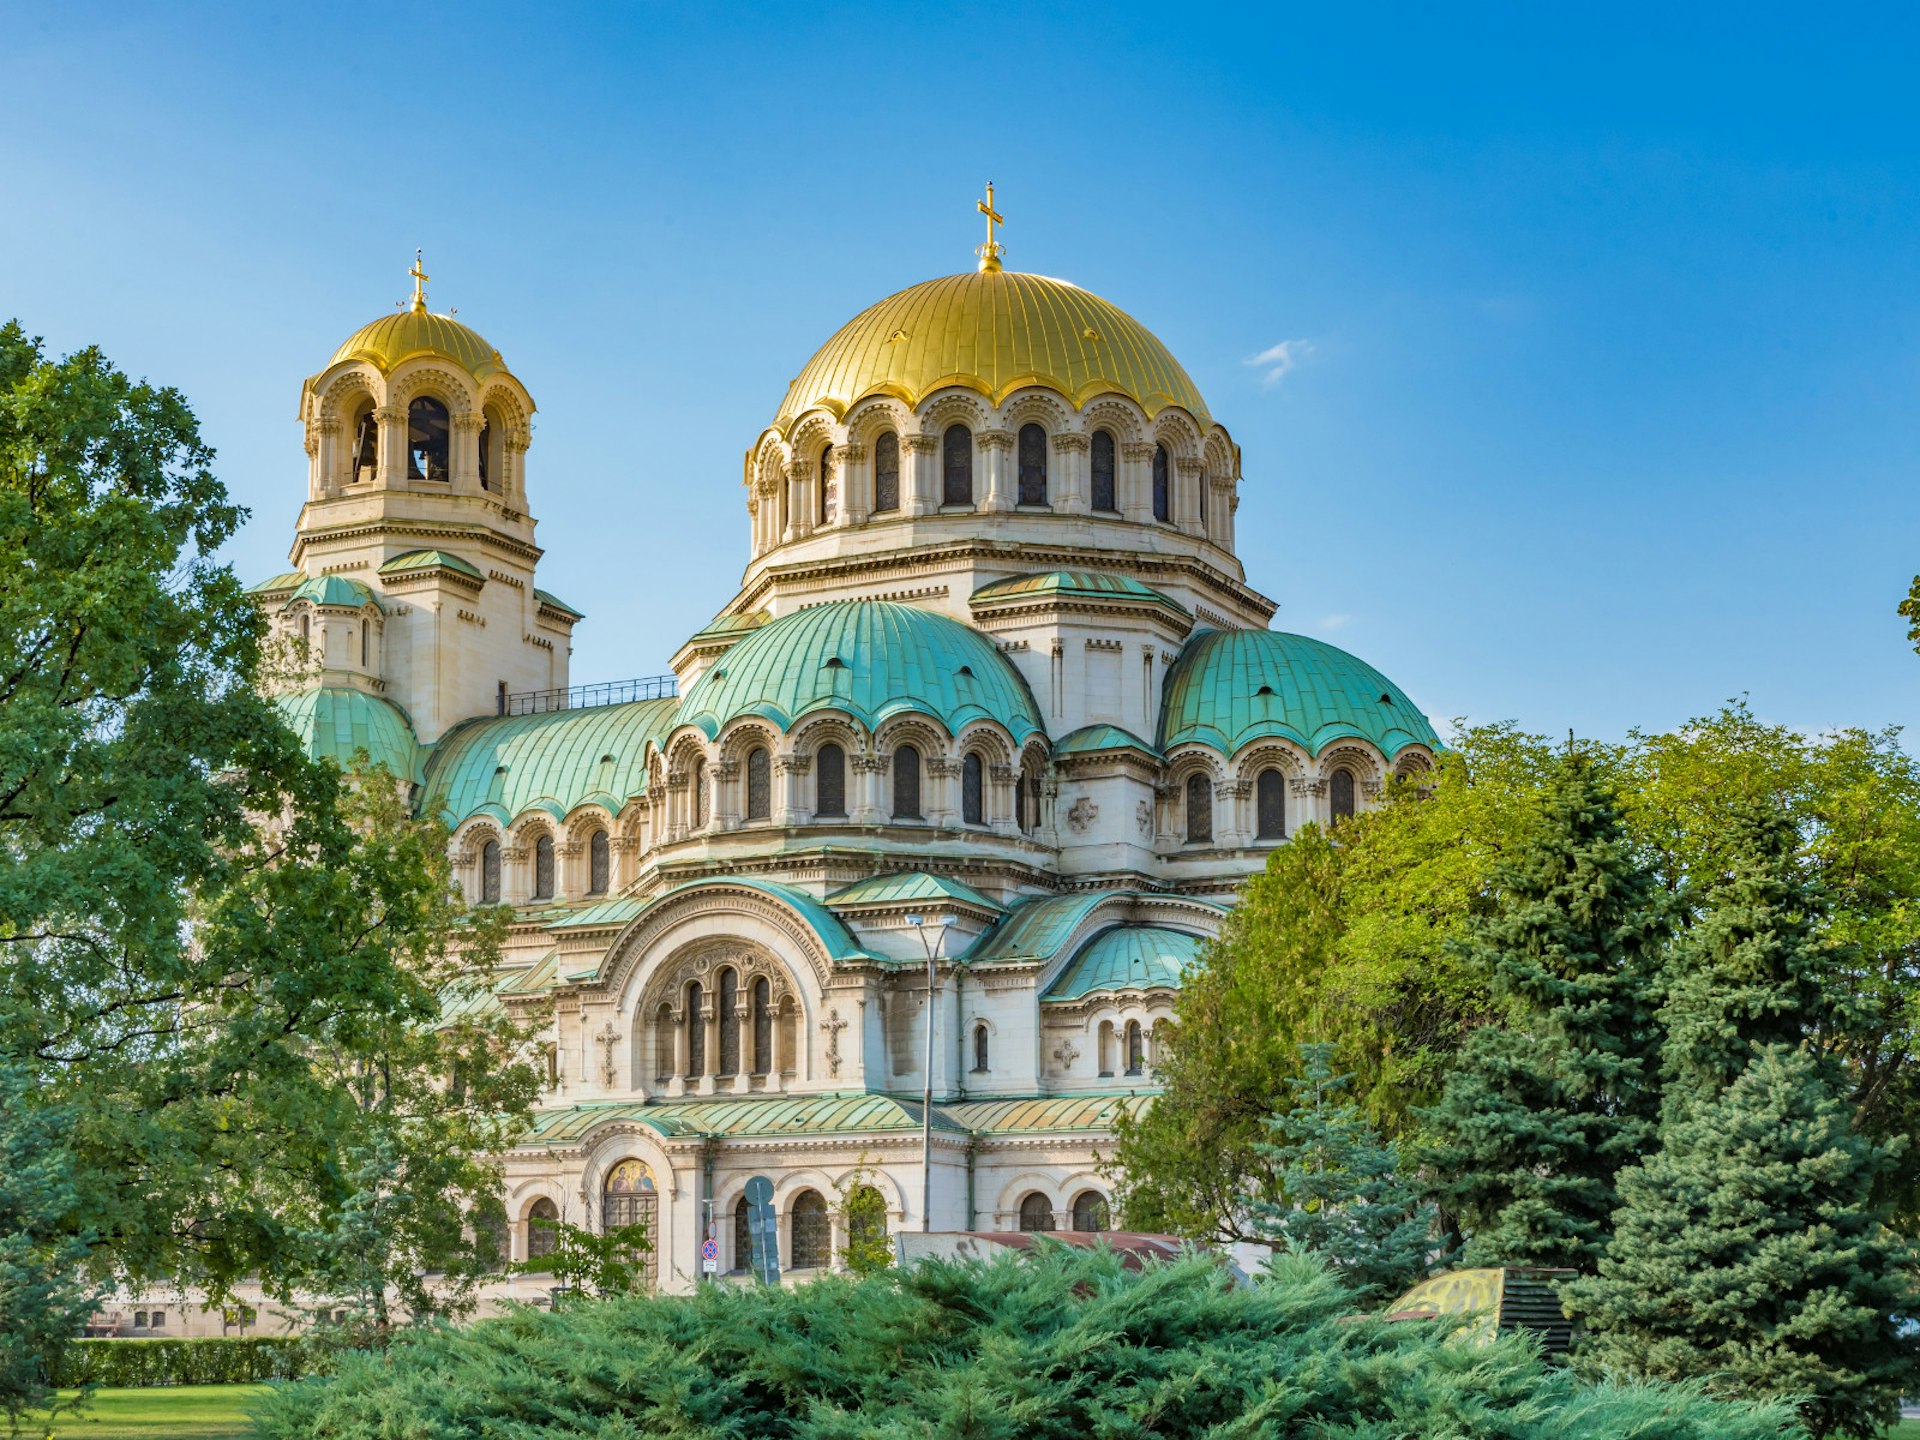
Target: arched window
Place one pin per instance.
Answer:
(729, 1022)
(1103, 489)
(696, 1031)
(1105, 1049)
(1340, 793)
(366, 446)
(599, 863)
(742, 1235)
(1199, 810)
(886, 472)
(957, 466)
(699, 794)
(1270, 805)
(427, 439)
(1136, 1048)
(630, 1199)
(906, 783)
(306, 628)
(823, 505)
(542, 1238)
(1033, 465)
(762, 1026)
(543, 868)
(1020, 802)
(829, 781)
(486, 452)
(1162, 487)
(812, 1232)
(1090, 1212)
(1201, 481)
(867, 1219)
(759, 784)
(1036, 1213)
(980, 1049)
(364, 629)
(490, 873)
(972, 802)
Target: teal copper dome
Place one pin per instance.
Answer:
(871, 659)
(333, 590)
(337, 723)
(1233, 686)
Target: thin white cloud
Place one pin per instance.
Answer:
(1335, 622)
(1280, 360)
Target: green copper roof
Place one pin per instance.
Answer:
(506, 765)
(547, 597)
(756, 1116)
(1036, 929)
(335, 724)
(332, 590)
(1072, 584)
(604, 912)
(872, 659)
(733, 624)
(428, 560)
(1233, 686)
(277, 582)
(907, 888)
(1043, 1116)
(1091, 739)
(1128, 957)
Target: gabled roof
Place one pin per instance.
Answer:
(1072, 585)
(1044, 1116)
(429, 560)
(604, 912)
(1128, 957)
(1038, 929)
(1233, 686)
(333, 590)
(1092, 739)
(908, 887)
(505, 765)
(554, 602)
(838, 1114)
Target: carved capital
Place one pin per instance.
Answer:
(1137, 450)
(1071, 442)
(570, 850)
(921, 444)
(850, 454)
(328, 424)
(995, 439)
(468, 422)
(871, 764)
(1305, 788)
(1188, 467)
(1002, 773)
(941, 765)
(388, 414)
(1234, 789)
(800, 470)
(515, 855)
(793, 764)
(727, 769)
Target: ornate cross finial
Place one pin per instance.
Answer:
(990, 252)
(833, 1025)
(420, 278)
(608, 1038)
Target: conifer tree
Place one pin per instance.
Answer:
(1748, 1254)
(1345, 1199)
(1749, 973)
(1547, 1107)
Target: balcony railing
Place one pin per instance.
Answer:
(580, 697)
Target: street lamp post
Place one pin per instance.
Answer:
(931, 944)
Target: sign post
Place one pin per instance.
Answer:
(762, 1237)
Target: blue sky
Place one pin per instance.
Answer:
(1602, 324)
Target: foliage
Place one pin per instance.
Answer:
(1547, 1106)
(1909, 610)
(200, 1360)
(1063, 1344)
(1748, 1255)
(220, 969)
(863, 1216)
(1345, 1199)
(589, 1262)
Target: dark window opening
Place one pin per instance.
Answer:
(696, 1031)
(729, 1023)
(1136, 1048)
(486, 453)
(1090, 1213)
(542, 1236)
(823, 505)
(830, 781)
(759, 785)
(980, 1049)
(366, 446)
(543, 868)
(599, 863)
(812, 1232)
(762, 1027)
(490, 873)
(1341, 791)
(1103, 487)
(957, 469)
(972, 790)
(886, 472)
(427, 430)
(906, 783)
(1270, 805)
(1162, 486)
(1036, 1213)
(1033, 465)
(1199, 809)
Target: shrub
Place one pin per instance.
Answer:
(213, 1360)
(1063, 1344)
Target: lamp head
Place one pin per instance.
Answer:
(948, 920)
(916, 920)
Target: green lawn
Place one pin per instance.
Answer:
(178, 1412)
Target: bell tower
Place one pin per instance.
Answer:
(417, 436)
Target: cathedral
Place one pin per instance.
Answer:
(943, 801)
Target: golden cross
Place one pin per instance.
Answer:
(989, 253)
(420, 278)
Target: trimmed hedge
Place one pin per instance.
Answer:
(210, 1360)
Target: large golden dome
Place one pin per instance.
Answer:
(386, 342)
(993, 331)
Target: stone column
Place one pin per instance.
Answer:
(1166, 809)
(995, 451)
(943, 774)
(999, 800)
(799, 500)
(1135, 482)
(1221, 503)
(922, 479)
(1237, 830)
(867, 769)
(513, 485)
(391, 421)
(789, 803)
(464, 461)
(725, 800)
(325, 435)
(852, 465)
(1308, 803)
(1072, 484)
(1187, 480)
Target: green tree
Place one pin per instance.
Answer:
(1345, 1199)
(1910, 612)
(1750, 972)
(593, 1263)
(1546, 1107)
(1748, 1254)
(220, 1008)
(44, 1296)
(863, 1213)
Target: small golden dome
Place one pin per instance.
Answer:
(386, 342)
(993, 331)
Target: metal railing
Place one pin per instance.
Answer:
(580, 697)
